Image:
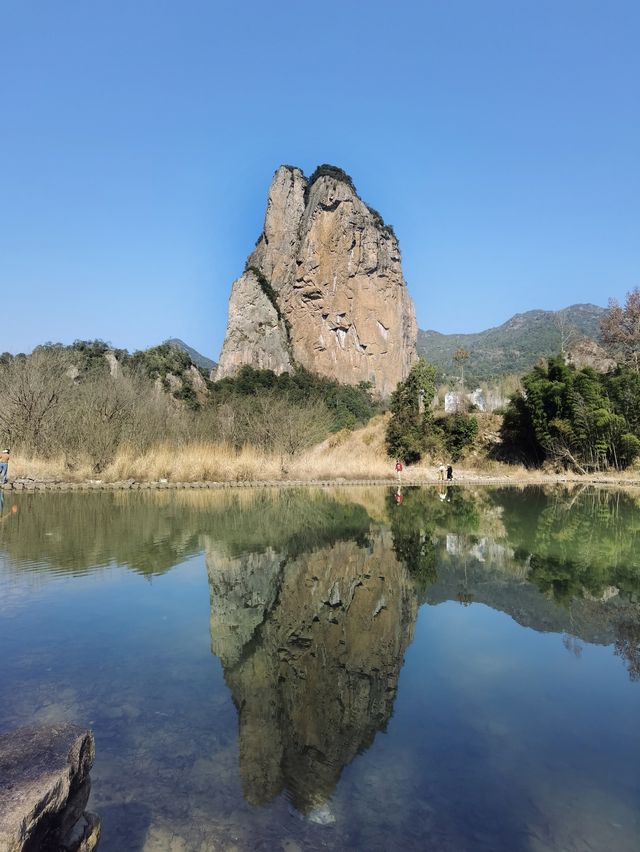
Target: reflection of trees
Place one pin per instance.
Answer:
(312, 648)
(150, 533)
(79, 532)
(580, 549)
(422, 517)
(576, 543)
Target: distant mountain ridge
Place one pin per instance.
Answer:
(198, 358)
(513, 347)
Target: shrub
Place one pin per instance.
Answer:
(327, 170)
(348, 405)
(459, 433)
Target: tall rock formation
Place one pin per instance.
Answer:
(323, 288)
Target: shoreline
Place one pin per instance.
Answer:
(29, 485)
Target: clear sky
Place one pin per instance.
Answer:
(138, 139)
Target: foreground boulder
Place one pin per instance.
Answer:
(44, 789)
(323, 288)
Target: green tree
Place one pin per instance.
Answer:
(459, 431)
(623, 389)
(568, 417)
(411, 416)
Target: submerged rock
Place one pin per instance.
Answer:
(44, 789)
(322, 815)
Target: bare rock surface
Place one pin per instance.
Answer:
(323, 288)
(44, 789)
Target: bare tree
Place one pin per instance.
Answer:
(275, 423)
(567, 332)
(103, 413)
(33, 389)
(52, 406)
(620, 327)
(460, 357)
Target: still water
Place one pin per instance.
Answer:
(298, 669)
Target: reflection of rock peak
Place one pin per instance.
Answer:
(242, 592)
(319, 680)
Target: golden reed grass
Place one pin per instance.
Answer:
(348, 455)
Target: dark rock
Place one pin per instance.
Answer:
(44, 789)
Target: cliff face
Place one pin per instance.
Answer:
(322, 289)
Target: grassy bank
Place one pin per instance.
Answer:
(349, 455)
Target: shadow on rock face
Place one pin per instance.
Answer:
(312, 648)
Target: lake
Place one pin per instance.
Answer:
(345, 668)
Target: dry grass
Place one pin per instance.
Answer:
(355, 455)
(57, 468)
(349, 455)
(195, 463)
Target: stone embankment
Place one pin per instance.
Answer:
(44, 789)
(471, 478)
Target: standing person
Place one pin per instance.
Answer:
(450, 473)
(4, 466)
(398, 470)
(441, 472)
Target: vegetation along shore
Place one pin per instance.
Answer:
(87, 414)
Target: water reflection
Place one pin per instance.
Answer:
(561, 559)
(316, 603)
(312, 647)
(312, 643)
(152, 533)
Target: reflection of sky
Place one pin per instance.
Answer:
(501, 738)
(500, 714)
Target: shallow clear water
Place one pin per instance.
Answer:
(333, 669)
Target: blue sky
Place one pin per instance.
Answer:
(137, 142)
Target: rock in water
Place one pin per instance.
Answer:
(323, 288)
(44, 789)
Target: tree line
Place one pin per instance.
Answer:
(570, 418)
(581, 419)
(88, 401)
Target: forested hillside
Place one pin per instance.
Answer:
(513, 347)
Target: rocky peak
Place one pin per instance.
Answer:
(323, 288)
